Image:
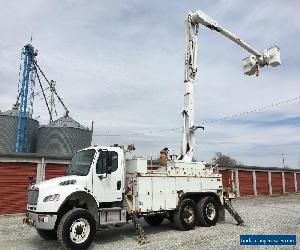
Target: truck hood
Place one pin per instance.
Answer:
(54, 187)
(49, 184)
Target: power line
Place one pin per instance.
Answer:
(253, 110)
(260, 109)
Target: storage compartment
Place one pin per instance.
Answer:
(136, 165)
(155, 193)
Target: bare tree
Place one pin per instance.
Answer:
(223, 159)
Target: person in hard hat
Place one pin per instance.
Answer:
(163, 159)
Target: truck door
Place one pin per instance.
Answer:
(107, 177)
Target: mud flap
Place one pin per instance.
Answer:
(221, 214)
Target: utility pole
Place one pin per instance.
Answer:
(282, 154)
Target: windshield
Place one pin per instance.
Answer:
(81, 163)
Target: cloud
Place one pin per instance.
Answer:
(120, 63)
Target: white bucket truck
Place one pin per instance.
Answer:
(103, 188)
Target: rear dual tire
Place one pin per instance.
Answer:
(203, 213)
(185, 215)
(208, 210)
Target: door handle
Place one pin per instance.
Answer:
(101, 176)
(118, 185)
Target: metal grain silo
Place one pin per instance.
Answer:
(9, 130)
(63, 136)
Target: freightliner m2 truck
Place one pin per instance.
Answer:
(102, 188)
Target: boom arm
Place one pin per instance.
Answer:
(251, 65)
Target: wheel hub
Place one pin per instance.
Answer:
(210, 211)
(80, 230)
(188, 214)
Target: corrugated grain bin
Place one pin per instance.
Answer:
(9, 130)
(63, 136)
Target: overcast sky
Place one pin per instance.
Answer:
(121, 64)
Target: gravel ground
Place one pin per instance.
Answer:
(263, 215)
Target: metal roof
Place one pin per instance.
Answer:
(29, 157)
(242, 167)
(155, 163)
(66, 121)
(12, 112)
(15, 113)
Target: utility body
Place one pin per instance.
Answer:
(103, 188)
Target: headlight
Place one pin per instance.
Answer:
(68, 182)
(53, 197)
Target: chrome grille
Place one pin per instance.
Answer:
(33, 195)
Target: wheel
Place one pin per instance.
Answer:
(208, 212)
(154, 220)
(77, 229)
(47, 234)
(185, 215)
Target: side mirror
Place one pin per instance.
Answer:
(109, 169)
(31, 180)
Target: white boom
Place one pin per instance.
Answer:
(251, 66)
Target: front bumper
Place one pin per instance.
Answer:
(40, 220)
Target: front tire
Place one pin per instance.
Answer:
(47, 234)
(154, 220)
(185, 215)
(77, 229)
(208, 212)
